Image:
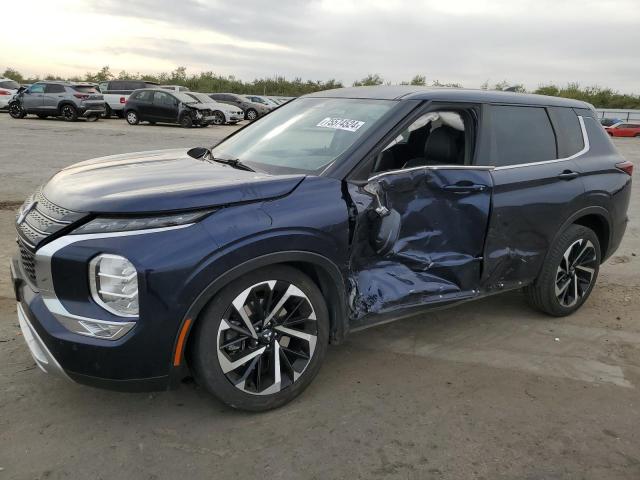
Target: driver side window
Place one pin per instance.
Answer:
(435, 138)
(36, 88)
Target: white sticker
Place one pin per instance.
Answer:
(341, 124)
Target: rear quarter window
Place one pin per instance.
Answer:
(568, 131)
(517, 135)
(84, 89)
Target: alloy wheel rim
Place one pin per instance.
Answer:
(575, 272)
(131, 117)
(218, 119)
(66, 112)
(251, 115)
(267, 337)
(15, 110)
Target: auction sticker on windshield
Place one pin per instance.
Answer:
(341, 124)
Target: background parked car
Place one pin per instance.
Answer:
(157, 105)
(252, 110)
(175, 88)
(116, 93)
(624, 130)
(57, 98)
(222, 112)
(269, 102)
(8, 88)
(609, 122)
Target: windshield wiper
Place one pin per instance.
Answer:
(234, 162)
(203, 153)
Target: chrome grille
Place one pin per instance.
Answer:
(43, 218)
(27, 261)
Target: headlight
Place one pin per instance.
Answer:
(114, 284)
(105, 224)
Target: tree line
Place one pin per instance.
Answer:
(600, 97)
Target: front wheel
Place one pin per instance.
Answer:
(218, 118)
(16, 111)
(186, 122)
(262, 339)
(569, 273)
(132, 118)
(251, 114)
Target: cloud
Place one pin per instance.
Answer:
(466, 41)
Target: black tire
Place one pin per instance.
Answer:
(42, 116)
(16, 111)
(218, 118)
(69, 113)
(204, 345)
(107, 111)
(186, 121)
(251, 114)
(132, 117)
(562, 286)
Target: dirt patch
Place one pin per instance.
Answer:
(9, 205)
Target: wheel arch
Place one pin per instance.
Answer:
(325, 274)
(597, 219)
(66, 102)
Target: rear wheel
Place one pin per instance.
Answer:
(107, 111)
(132, 118)
(69, 113)
(262, 339)
(93, 118)
(569, 273)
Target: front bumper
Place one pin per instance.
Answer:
(142, 359)
(39, 351)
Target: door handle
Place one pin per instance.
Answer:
(464, 188)
(568, 175)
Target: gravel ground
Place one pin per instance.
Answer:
(488, 390)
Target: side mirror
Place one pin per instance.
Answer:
(385, 222)
(199, 152)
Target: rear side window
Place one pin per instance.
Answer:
(84, 89)
(144, 96)
(568, 131)
(518, 135)
(53, 88)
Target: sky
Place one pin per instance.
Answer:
(530, 42)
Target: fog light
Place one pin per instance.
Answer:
(114, 284)
(97, 328)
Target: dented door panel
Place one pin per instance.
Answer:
(437, 255)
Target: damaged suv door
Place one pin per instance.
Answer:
(421, 219)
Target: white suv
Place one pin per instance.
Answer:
(8, 88)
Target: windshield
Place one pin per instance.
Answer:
(184, 98)
(305, 135)
(201, 97)
(9, 84)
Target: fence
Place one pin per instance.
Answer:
(624, 115)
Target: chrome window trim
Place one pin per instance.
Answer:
(44, 280)
(585, 149)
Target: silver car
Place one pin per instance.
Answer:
(58, 99)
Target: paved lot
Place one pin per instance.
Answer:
(488, 390)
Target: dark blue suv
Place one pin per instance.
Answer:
(239, 264)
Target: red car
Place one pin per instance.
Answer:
(624, 130)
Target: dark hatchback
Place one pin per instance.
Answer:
(239, 264)
(155, 105)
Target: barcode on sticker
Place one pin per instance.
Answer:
(341, 124)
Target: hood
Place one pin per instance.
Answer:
(161, 180)
(199, 106)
